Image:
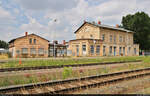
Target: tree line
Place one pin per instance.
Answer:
(3, 44)
(140, 24)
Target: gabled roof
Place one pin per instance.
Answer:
(25, 36)
(104, 26)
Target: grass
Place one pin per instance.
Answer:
(68, 72)
(3, 56)
(51, 62)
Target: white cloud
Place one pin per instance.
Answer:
(70, 14)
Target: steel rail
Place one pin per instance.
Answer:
(68, 81)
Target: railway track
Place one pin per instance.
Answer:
(63, 86)
(61, 66)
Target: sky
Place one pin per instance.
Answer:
(59, 19)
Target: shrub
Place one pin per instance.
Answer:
(67, 72)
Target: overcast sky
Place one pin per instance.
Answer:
(58, 19)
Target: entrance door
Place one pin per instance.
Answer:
(84, 50)
(114, 51)
(77, 50)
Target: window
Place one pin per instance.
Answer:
(135, 51)
(124, 39)
(32, 51)
(104, 50)
(41, 51)
(110, 50)
(18, 52)
(24, 50)
(103, 37)
(110, 38)
(129, 50)
(120, 38)
(114, 38)
(77, 49)
(92, 49)
(83, 47)
(97, 49)
(123, 50)
(120, 49)
(30, 40)
(34, 41)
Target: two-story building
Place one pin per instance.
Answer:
(95, 39)
(33, 45)
(29, 46)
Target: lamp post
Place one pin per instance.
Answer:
(54, 49)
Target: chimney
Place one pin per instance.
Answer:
(55, 42)
(117, 25)
(99, 22)
(26, 33)
(64, 42)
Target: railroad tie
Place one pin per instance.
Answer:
(38, 90)
(62, 87)
(95, 81)
(24, 92)
(50, 89)
(87, 82)
(80, 84)
(70, 85)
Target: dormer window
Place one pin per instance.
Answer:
(30, 40)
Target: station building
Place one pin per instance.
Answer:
(96, 39)
(32, 45)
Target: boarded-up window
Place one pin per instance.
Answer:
(32, 51)
(41, 51)
(24, 50)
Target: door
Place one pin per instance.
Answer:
(84, 50)
(114, 51)
(77, 50)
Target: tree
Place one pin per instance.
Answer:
(140, 24)
(3, 44)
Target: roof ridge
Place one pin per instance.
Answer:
(25, 36)
(108, 26)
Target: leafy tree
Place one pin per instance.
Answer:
(3, 44)
(140, 24)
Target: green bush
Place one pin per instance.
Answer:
(67, 72)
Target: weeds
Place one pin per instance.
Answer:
(51, 62)
(67, 72)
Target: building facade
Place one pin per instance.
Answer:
(34, 46)
(29, 46)
(101, 40)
